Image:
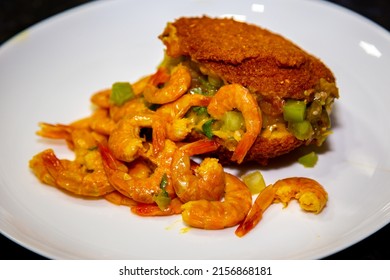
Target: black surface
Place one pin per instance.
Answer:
(16, 15)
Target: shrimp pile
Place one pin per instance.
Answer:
(136, 150)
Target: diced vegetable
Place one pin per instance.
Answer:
(215, 81)
(232, 120)
(294, 111)
(121, 92)
(203, 86)
(314, 111)
(162, 200)
(308, 160)
(301, 130)
(254, 181)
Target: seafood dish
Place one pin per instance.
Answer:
(227, 92)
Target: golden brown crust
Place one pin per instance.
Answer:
(270, 66)
(265, 62)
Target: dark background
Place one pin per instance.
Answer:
(17, 15)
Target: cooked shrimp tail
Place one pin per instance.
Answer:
(153, 210)
(199, 147)
(69, 175)
(262, 202)
(311, 196)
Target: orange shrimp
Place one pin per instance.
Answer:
(117, 198)
(173, 208)
(141, 190)
(102, 98)
(131, 108)
(177, 127)
(178, 84)
(220, 214)
(65, 132)
(140, 169)
(101, 122)
(39, 168)
(83, 176)
(56, 131)
(235, 96)
(207, 181)
(311, 196)
(125, 141)
(139, 86)
(160, 77)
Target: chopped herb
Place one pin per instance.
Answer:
(200, 110)
(162, 199)
(164, 182)
(207, 128)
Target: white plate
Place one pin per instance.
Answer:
(49, 72)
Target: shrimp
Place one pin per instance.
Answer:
(235, 96)
(173, 208)
(65, 132)
(56, 131)
(220, 214)
(117, 198)
(38, 166)
(125, 141)
(311, 196)
(207, 181)
(199, 147)
(178, 84)
(140, 169)
(101, 122)
(84, 176)
(102, 98)
(177, 127)
(131, 108)
(160, 77)
(141, 190)
(139, 86)
(262, 202)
